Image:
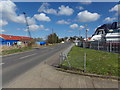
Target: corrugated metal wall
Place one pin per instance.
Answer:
(7, 42)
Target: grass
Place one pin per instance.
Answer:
(98, 62)
(16, 50)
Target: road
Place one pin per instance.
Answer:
(17, 64)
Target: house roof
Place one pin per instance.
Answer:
(11, 37)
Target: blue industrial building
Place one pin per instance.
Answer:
(41, 42)
(10, 39)
(7, 42)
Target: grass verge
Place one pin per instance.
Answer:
(98, 62)
(16, 50)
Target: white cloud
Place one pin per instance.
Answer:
(31, 21)
(44, 8)
(46, 29)
(1, 31)
(43, 28)
(80, 7)
(51, 11)
(65, 10)
(86, 2)
(73, 26)
(86, 16)
(37, 27)
(33, 27)
(3, 22)
(42, 17)
(63, 22)
(115, 8)
(8, 10)
(81, 27)
(108, 19)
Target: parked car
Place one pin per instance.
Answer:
(62, 42)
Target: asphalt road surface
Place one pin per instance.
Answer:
(17, 64)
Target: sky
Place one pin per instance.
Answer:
(66, 19)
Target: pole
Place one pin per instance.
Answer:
(52, 36)
(79, 33)
(85, 62)
(98, 46)
(86, 34)
(110, 47)
(86, 38)
(28, 29)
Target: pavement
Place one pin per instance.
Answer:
(34, 70)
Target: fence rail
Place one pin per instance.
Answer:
(109, 46)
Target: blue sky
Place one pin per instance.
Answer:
(65, 18)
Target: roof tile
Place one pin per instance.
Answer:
(11, 37)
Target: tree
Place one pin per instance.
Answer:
(38, 39)
(53, 38)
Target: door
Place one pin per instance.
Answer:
(8, 43)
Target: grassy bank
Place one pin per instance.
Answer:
(16, 50)
(98, 62)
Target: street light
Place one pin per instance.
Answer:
(86, 34)
(81, 28)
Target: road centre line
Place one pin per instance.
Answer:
(27, 56)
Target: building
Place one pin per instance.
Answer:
(11, 40)
(40, 42)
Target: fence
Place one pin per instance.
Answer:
(109, 46)
(92, 61)
(64, 54)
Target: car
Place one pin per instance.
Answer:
(62, 42)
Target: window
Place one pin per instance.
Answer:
(114, 31)
(100, 33)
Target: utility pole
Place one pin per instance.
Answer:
(28, 29)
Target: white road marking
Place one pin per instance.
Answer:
(44, 47)
(2, 63)
(28, 56)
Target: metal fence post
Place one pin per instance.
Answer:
(68, 62)
(107, 47)
(60, 58)
(110, 47)
(90, 46)
(85, 62)
(98, 45)
(83, 44)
